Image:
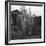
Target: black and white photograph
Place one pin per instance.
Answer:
(24, 22)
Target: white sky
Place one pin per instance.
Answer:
(37, 10)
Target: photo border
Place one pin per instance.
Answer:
(6, 22)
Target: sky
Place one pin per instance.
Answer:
(37, 10)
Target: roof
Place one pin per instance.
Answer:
(16, 12)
